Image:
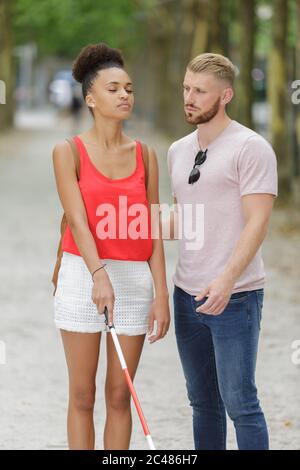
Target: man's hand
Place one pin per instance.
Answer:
(218, 292)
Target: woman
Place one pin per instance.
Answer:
(106, 261)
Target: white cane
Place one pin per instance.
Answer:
(129, 382)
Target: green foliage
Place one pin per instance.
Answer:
(264, 28)
(63, 27)
(292, 26)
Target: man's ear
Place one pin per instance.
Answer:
(227, 96)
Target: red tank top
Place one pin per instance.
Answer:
(118, 211)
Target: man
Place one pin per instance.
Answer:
(230, 171)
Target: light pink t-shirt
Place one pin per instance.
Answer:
(239, 162)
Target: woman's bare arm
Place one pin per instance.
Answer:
(73, 205)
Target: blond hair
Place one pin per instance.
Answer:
(216, 64)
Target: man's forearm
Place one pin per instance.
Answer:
(249, 242)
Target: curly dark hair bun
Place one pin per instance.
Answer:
(95, 57)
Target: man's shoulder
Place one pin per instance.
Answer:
(183, 142)
(249, 138)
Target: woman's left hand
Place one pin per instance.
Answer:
(159, 312)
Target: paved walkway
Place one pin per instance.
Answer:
(34, 387)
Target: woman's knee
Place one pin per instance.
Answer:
(117, 398)
(83, 398)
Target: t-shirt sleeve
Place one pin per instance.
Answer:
(257, 168)
(169, 162)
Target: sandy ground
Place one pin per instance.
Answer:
(34, 389)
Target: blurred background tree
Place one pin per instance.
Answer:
(7, 72)
(158, 38)
(296, 153)
(277, 88)
(63, 27)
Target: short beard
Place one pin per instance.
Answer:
(204, 117)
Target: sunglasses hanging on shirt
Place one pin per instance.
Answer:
(195, 173)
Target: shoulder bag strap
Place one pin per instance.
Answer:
(145, 154)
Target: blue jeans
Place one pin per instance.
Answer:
(218, 357)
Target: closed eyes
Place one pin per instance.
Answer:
(127, 91)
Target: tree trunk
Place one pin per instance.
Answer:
(149, 64)
(245, 93)
(201, 30)
(174, 33)
(215, 27)
(296, 173)
(168, 33)
(160, 34)
(179, 55)
(277, 93)
(6, 66)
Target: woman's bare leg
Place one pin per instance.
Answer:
(117, 432)
(82, 354)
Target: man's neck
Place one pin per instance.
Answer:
(209, 131)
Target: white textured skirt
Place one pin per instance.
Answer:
(75, 311)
